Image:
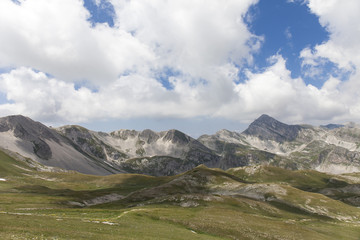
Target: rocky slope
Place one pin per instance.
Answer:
(148, 152)
(332, 148)
(77, 148)
(34, 140)
(268, 128)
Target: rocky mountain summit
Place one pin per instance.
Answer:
(268, 128)
(332, 148)
(45, 145)
(27, 130)
(148, 152)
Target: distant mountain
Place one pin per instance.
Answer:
(332, 126)
(77, 148)
(268, 128)
(329, 149)
(266, 141)
(36, 141)
(148, 152)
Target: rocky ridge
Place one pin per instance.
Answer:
(45, 145)
(333, 148)
(148, 152)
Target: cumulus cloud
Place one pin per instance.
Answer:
(192, 36)
(342, 48)
(339, 18)
(272, 91)
(35, 94)
(51, 47)
(201, 40)
(55, 37)
(275, 92)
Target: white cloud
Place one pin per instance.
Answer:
(55, 37)
(287, 33)
(203, 41)
(191, 36)
(97, 2)
(272, 91)
(35, 94)
(342, 48)
(340, 19)
(275, 92)
(49, 99)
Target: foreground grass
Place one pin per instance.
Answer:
(35, 205)
(166, 222)
(98, 225)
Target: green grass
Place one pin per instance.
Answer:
(92, 224)
(35, 205)
(308, 180)
(10, 167)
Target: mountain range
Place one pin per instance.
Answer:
(332, 148)
(253, 190)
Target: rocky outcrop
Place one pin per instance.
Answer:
(268, 128)
(334, 148)
(147, 152)
(45, 145)
(25, 129)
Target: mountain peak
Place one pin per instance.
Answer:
(332, 126)
(15, 118)
(175, 136)
(22, 125)
(28, 130)
(265, 117)
(268, 128)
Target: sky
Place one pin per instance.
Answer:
(194, 65)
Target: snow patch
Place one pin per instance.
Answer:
(2, 180)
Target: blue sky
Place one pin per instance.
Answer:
(288, 28)
(198, 66)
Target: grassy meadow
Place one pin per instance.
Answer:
(199, 204)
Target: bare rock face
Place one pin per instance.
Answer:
(42, 149)
(268, 128)
(146, 152)
(167, 153)
(26, 129)
(332, 148)
(266, 141)
(34, 140)
(82, 138)
(176, 136)
(148, 136)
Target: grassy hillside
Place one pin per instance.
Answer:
(308, 180)
(260, 203)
